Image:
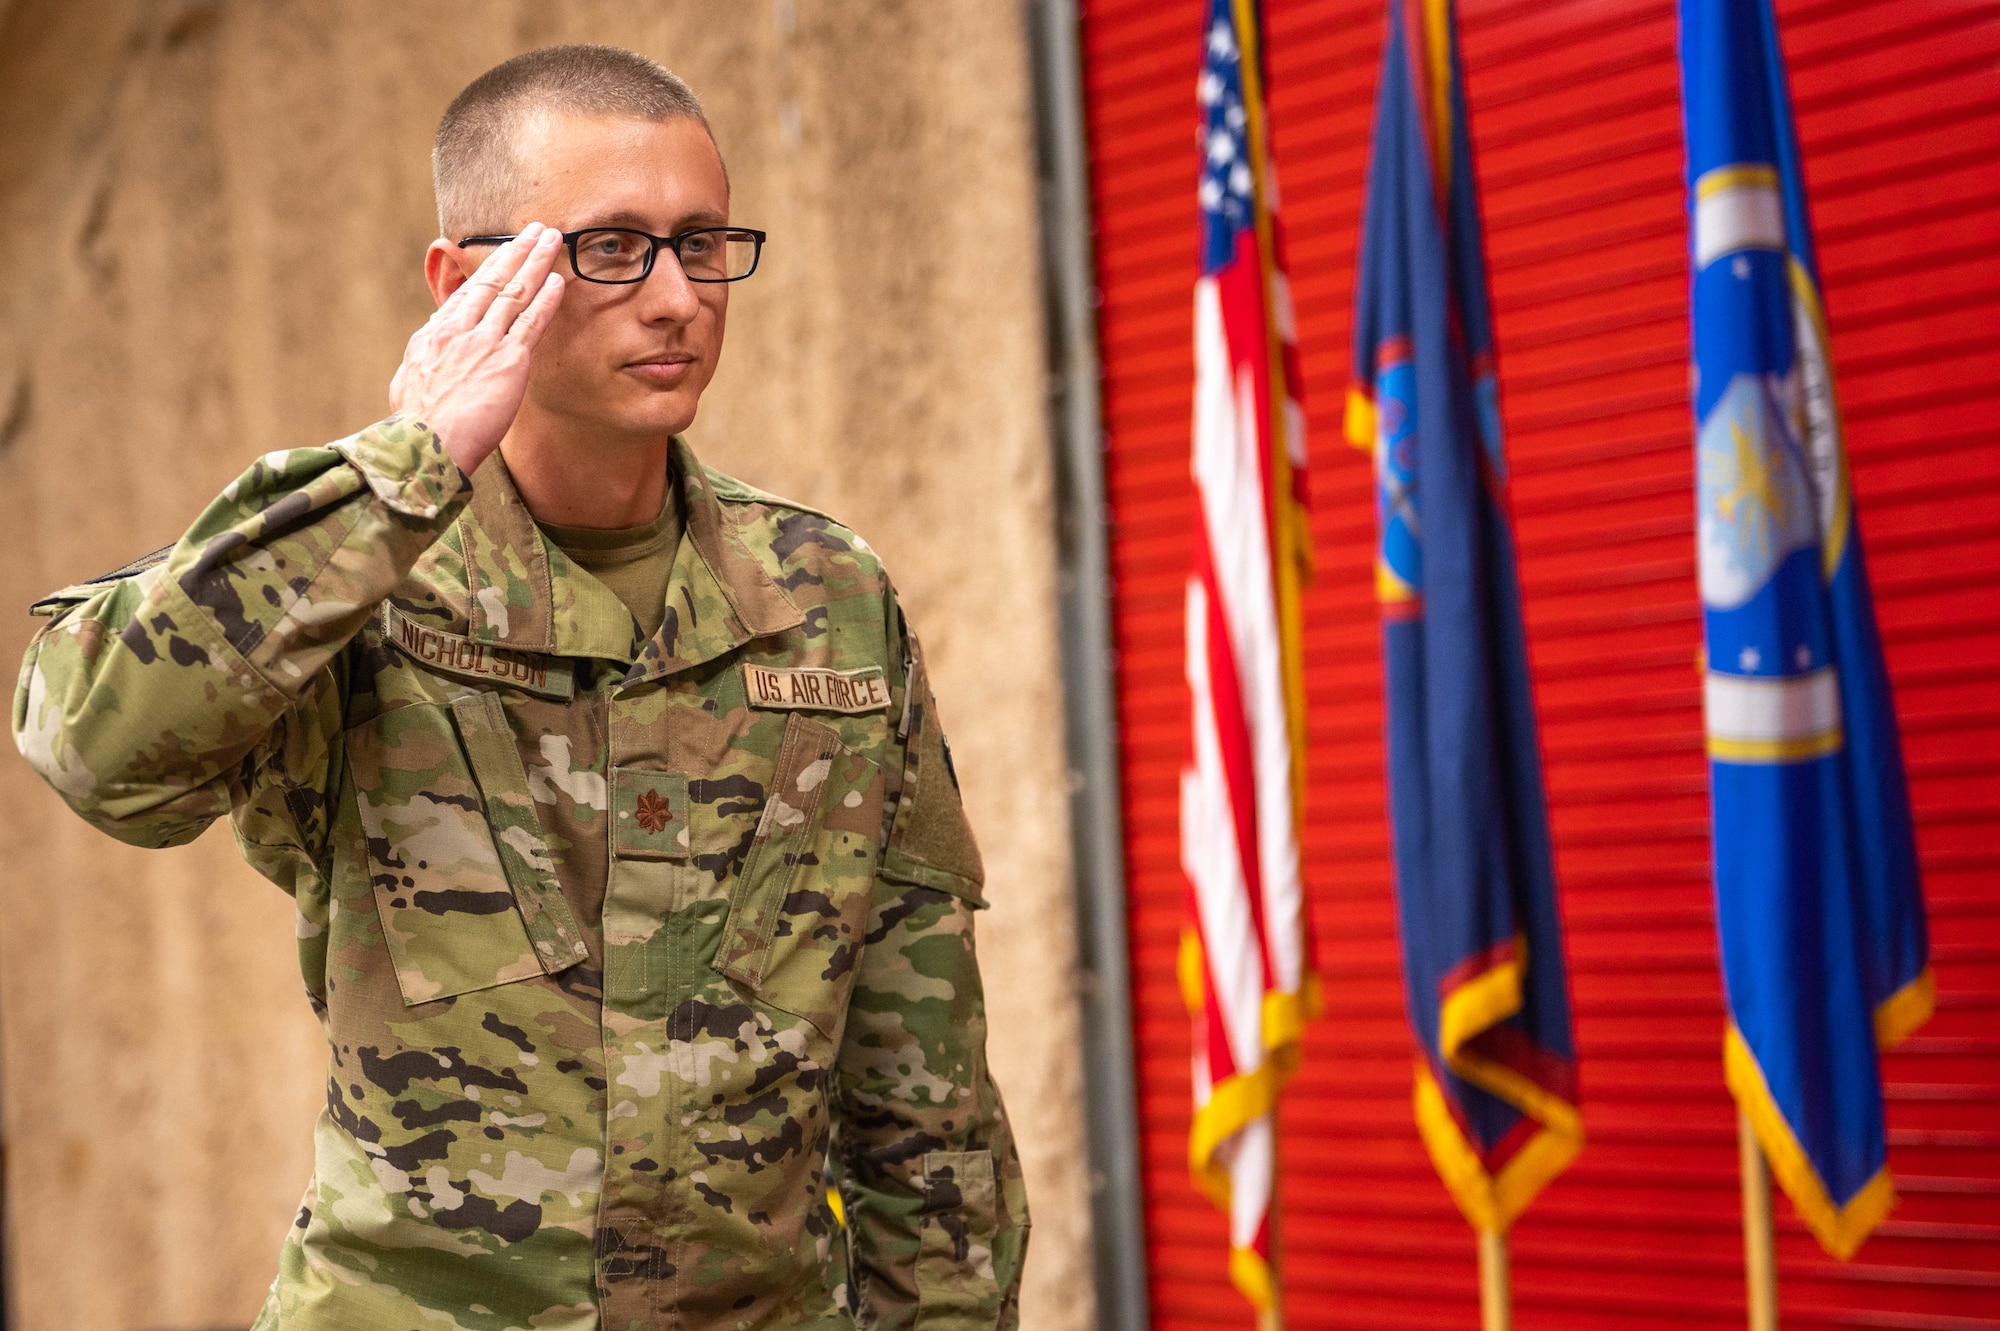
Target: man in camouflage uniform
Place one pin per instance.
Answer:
(645, 960)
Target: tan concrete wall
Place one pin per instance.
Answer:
(215, 214)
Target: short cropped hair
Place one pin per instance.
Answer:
(473, 161)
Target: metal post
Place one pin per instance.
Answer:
(1090, 707)
(1760, 1265)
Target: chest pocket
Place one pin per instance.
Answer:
(800, 908)
(463, 881)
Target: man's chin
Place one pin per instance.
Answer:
(652, 417)
(619, 409)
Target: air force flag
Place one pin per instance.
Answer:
(1824, 956)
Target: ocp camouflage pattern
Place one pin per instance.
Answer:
(648, 1007)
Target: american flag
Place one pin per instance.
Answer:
(1245, 960)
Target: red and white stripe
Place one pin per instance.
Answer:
(1246, 949)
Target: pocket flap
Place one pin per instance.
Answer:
(463, 882)
(785, 831)
(517, 830)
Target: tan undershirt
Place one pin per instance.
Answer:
(636, 563)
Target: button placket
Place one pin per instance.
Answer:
(644, 881)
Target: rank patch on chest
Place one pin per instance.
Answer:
(649, 814)
(462, 656)
(808, 689)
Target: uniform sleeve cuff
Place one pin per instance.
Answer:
(405, 464)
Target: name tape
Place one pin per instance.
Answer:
(458, 655)
(814, 690)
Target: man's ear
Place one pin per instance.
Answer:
(445, 269)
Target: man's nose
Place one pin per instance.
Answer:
(666, 293)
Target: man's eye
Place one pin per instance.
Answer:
(608, 247)
(694, 246)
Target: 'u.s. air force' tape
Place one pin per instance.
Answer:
(809, 689)
(549, 676)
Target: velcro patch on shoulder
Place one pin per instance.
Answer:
(458, 655)
(811, 689)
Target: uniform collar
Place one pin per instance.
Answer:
(721, 596)
(522, 593)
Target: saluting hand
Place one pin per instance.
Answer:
(466, 370)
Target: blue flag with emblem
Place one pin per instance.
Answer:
(1495, 1095)
(1818, 904)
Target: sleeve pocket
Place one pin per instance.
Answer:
(930, 842)
(959, 1218)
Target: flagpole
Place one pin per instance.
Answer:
(1496, 1298)
(1760, 1265)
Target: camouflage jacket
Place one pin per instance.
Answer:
(646, 968)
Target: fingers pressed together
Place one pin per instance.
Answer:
(515, 289)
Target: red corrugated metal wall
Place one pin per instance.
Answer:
(1575, 119)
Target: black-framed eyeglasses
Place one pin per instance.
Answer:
(615, 255)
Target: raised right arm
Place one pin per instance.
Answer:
(153, 702)
(150, 702)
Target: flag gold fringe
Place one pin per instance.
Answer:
(1905, 1010)
(1492, 1201)
(1190, 969)
(1359, 423)
(1489, 1201)
(1236, 1102)
(1480, 1003)
(1253, 1278)
(1291, 540)
(1490, 997)
(1839, 1229)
